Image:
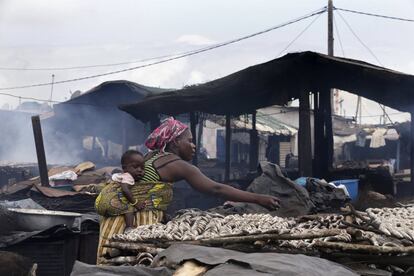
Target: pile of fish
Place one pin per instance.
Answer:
(396, 222)
(197, 225)
(376, 231)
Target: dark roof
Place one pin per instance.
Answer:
(279, 81)
(113, 93)
(96, 113)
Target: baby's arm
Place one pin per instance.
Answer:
(127, 193)
(130, 197)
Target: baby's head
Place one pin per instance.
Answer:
(132, 162)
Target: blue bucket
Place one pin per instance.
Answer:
(351, 185)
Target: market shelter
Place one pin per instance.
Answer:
(281, 80)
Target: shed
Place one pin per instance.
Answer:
(278, 81)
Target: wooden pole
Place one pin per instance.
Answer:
(326, 102)
(254, 145)
(227, 166)
(329, 135)
(330, 29)
(305, 144)
(200, 133)
(318, 130)
(40, 151)
(412, 150)
(326, 152)
(193, 127)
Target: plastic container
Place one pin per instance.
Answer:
(351, 185)
(301, 181)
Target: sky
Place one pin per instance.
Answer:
(71, 33)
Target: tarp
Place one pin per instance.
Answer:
(82, 269)
(251, 263)
(294, 199)
(278, 82)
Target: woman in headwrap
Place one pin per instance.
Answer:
(171, 146)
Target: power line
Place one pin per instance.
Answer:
(87, 66)
(376, 15)
(166, 58)
(299, 35)
(50, 101)
(372, 53)
(339, 37)
(359, 39)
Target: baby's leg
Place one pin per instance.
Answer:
(129, 221)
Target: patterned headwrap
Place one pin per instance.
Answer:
(165, 133)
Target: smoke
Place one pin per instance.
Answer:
(17, 144)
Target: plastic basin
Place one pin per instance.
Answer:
(351, 185)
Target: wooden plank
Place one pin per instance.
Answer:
(254, 146)
(40, 151)
(305, 144)
(326, 151)
(318, 134)
(227, 166)
(193, 127)
(412, 150)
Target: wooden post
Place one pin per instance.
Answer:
(254, 146)
(330, 29)
(193, 126)
(397, 155)
(200, 133)
(227, 166)
(412, 151)
(318, 131)
(40, 151)
(305, 144)
(329, 135)
(327, 100)
(326, 152)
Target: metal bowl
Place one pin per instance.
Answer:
(39, 219)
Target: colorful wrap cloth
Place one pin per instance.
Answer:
(112, 201)
(165, 133)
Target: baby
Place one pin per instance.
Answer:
(132, 162)
(116, 198)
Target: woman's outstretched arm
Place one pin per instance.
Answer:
(182, 170)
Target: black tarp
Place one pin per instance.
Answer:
(294, 199)
(81, 269)
(230, 262)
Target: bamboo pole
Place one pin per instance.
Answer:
(364, 248)
(133, 247)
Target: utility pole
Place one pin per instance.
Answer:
(327, 103)
(51, 89)
(330, 29)
(331, 41)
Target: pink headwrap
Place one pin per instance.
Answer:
(165, 133)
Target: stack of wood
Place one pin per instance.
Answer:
(381, 231)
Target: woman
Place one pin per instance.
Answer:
(171, 148)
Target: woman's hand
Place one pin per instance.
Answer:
(269, 202)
